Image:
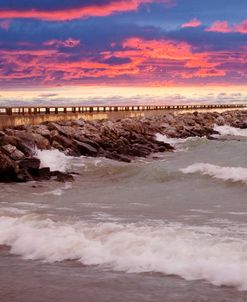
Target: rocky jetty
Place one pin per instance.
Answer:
(121, 140)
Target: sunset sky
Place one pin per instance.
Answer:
(123, 50)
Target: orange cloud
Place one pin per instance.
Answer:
(192, 23)
(81, 12)
(178, 59)
(165, 50)
(145, 61)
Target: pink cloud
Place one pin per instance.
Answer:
(225, 27)
(5, 24)
(81, 12)
(220, 26)
(70, 43)
(147, 61)
(192, 23)
(242, 27)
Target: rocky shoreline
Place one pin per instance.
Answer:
(122, 140)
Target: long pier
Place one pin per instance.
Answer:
(24, 110)
(25, 115)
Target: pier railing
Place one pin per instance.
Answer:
(29, 110)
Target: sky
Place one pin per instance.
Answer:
(116, 51)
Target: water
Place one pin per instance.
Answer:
(166, 229)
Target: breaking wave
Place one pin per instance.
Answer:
(54, 159)
(170, 140)
(234, 174)
(181, 144)
(228, 130)
(209, 253)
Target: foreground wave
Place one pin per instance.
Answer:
(213, 254)
(234, 174)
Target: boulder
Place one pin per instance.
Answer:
(119, 157)
(62, 177)
(62, 140)
(42, 130)
(140, 150)
(27, 147)
(85, 149)
(8, 168)
(13, 152)
(44, 173)
(220, 121)
(30, 164)
(165, 146)
(64, 130)
(9, 148)
(23, 175)
(56, 145)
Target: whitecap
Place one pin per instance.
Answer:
(181, 144)
(56, 192)
(234, 174)
(54, 159)
(210, 253)
(228, 130)
(12, 211)
(169, 140)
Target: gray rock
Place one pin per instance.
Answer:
(44, 173)
(13, 152)
(8, 168)
(220, 121)
(30, 163)
(9, 148)
(85, 149)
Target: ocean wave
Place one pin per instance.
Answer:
(54, 159)
(169, 140)
(234, 174)
(228, 130)
(58, 161)
(181, 144)
(194, 253)
(12, 210)
(56, 192)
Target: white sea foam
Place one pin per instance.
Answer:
(181, 144)
(228, 130)
(234, 174)
(169, 140)
(58, 161)
(56, 192)
(54, 159)
(5, 210)
(238, 213)
(210, 253)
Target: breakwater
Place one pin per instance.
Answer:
(24, 115)
(121, 140)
